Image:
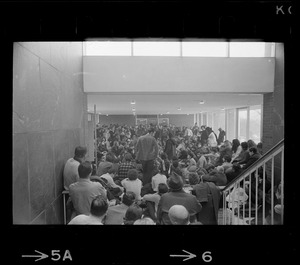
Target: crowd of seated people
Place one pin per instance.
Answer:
(191, 166)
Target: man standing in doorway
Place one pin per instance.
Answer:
(147, 152)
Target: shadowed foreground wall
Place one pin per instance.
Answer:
(48, 123)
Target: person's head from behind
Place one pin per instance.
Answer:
(209, 167)
(99, 206)
(162, 188)
(144, 221)
(235, 144)
(253, 150)
(128, 157)
(175, 182)
(193, 178)
(227, 158)
(151, 130)
(183, 154)
(80, 152)
(133, 213)
(244, 145)
(109, 158)
(132, 174)
(112, 170)
(227, 144)
(84, 169)
(128, 198)
(179, 215)
(251, 143)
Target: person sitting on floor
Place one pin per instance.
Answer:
(209, 195)
(233, 172)
(107, 163)
(152, 200)
(202, 162)
(115, 214)
(176, 195)
(179, 215)
(98, 211)
(144, 221)
(158, 178)
(216, 176)
(124, 167)
(70, 173)
(109, 174)
(226, 162)
(133, 213)
(84, 190)
(132, 183)
(243, 156)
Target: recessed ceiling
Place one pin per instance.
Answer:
(161, 103)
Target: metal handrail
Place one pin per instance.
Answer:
(273, 151)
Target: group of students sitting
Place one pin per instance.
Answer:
(113, 192)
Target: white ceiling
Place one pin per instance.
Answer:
(161, 103)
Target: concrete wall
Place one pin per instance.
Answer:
(178, 74)
(49, 107)
(117, 119)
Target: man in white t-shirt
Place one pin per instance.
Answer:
(70, 174)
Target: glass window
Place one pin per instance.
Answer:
(209, 119)
(107, 48)
(251, 49)
(255, 123)
(230, 124)
(205, 49)
(216, 120)
(204, 116)
(222, 121)
(158, 48)
(242, 125)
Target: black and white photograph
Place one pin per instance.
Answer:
(157, 114)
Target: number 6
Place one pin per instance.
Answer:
(206, 256)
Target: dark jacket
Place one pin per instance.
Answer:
(221, 137)
(170, 148)
(252, 159)
(216, 177)
(169, 199)
(208, 194)
(146, 148)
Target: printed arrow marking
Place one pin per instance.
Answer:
(187, 257)
(41, 256)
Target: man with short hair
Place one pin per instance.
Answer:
(84, 190)
(147, 151)
(70, 174)
(98, 211)
(179, 215)
(115, 214)
(103, 165)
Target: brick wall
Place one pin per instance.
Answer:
(273, 112)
